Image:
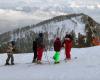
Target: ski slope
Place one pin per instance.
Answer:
(85, 67)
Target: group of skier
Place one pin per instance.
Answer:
(39, 47)
(67, 44)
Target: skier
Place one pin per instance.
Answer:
(40, 47)
(57, 47)
(67, 34)
(68, 46)
(10, 54)
(34, 50)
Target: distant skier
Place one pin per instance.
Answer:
(10, 54)
(35, 50)
(57, 48)
(68, 45)
(40, 47)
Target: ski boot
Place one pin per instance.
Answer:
(12, 64)
(56, 62)
(7, 63)
(39, 62)
(34, 61)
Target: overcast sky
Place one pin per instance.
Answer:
(18, 13)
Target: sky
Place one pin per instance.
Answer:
(20, 13)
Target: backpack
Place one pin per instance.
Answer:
(13, 43)
(40, 42)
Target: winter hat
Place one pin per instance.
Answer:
(67, 35)
(70, 36)
(40, 34)
(57, 38)
(13, 43)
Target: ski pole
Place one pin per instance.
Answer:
(46, 56)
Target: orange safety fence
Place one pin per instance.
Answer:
(95, 41)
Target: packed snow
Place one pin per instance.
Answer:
(84, 65)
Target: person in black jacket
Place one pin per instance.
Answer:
(35, 51)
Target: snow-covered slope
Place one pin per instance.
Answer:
(59, 28)
(85, 67)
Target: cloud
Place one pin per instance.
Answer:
(91, 7)
(11, 19)
(75, 5)
(98, 5)
(23, 12)
(16, 15)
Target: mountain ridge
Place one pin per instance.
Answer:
(56, 26)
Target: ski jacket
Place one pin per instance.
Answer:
(67, 36)
(9, 49)
(68, 43)
(57, 44)
(34, 45)
(40, 42)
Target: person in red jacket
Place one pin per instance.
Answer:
(40, 47)
(68, 46)
(57, 48)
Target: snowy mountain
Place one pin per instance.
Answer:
(57, 26)
(85, 67)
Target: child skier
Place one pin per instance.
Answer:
(10, 54)
(68, 46)
(57, 48)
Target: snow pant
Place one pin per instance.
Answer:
(35, 55)
(67, 52)
(10, 56)
(39, 53)
(56, 56)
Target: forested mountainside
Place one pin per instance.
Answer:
(76, 24)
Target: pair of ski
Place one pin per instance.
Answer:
(7, 65)
(63, 60)
(46, 62)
